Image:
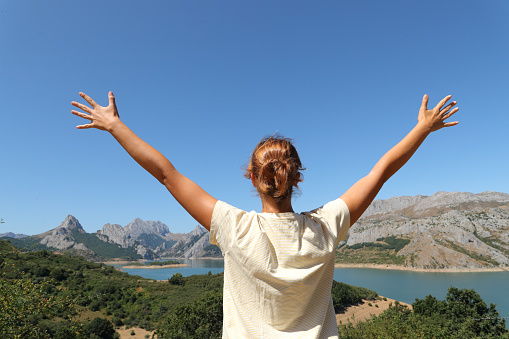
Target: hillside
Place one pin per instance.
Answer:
(442, 231)
(99, 290)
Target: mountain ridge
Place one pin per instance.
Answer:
(443, 230)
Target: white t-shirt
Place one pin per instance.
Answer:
(278, 270)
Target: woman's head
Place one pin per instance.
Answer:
(275, 167)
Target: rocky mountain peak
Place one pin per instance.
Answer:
(138, 226)
(61, 236)
(70, 223)
(116, 234)
(198, 230)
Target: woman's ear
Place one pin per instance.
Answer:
(253, 180)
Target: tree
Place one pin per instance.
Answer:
(200, 319)
(468, 314)
(102, 328)
(177, 279)
(22, 302)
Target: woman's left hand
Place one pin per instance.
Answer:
(100, 117)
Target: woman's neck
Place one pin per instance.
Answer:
(269, 205)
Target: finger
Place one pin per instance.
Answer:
(448, 107)
(443, 101)
(82, 107)
(82, 115)
(85, 126)
(111, 98)
(449, 124)
(424, 104)
(449, 114)
(89, 100)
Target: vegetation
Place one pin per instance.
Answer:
(24, 303)
(126, 300)
(344, 295)
(462, 315)
(105, 249)
(369, 255)
(389, 243)
(382, 252)
(32, 243)
(200, 319)
(42, 295)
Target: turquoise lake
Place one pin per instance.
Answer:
(404, 286)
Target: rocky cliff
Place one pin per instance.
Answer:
(445, 230)
(157, 238)
(62, 236)
(116, 234)
(192, 245)
(137, 227)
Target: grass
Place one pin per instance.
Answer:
(369, 255)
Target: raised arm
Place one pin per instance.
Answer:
(361, 194)
(198, 203)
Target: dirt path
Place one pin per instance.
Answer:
(363, 311)
(139, 333)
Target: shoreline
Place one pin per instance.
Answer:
(425, 270)
(151, 267)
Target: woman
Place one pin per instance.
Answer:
(279, 264)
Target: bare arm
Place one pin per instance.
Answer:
(361, 194)
(198, 203)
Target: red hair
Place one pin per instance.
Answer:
(276, 167)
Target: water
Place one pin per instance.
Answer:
(196, 266)
(404, 286)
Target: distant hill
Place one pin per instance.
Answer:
(12, 235)
(445, 230)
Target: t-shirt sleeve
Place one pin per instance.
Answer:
(336, 216)
(225, 219)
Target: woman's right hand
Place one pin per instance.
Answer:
(103, 118)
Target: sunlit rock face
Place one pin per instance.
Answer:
(61, 236)
(447, 229)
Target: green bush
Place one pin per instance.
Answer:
(200, 319)
(177, 279)
(344, 295)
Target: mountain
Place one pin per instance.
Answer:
(138, 239)
(444, 230)
(155, 235)
(194, 244)
(71, 237)
(12, 235)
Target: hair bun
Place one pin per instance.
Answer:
(276, 167)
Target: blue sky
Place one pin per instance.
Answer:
(204, 81)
